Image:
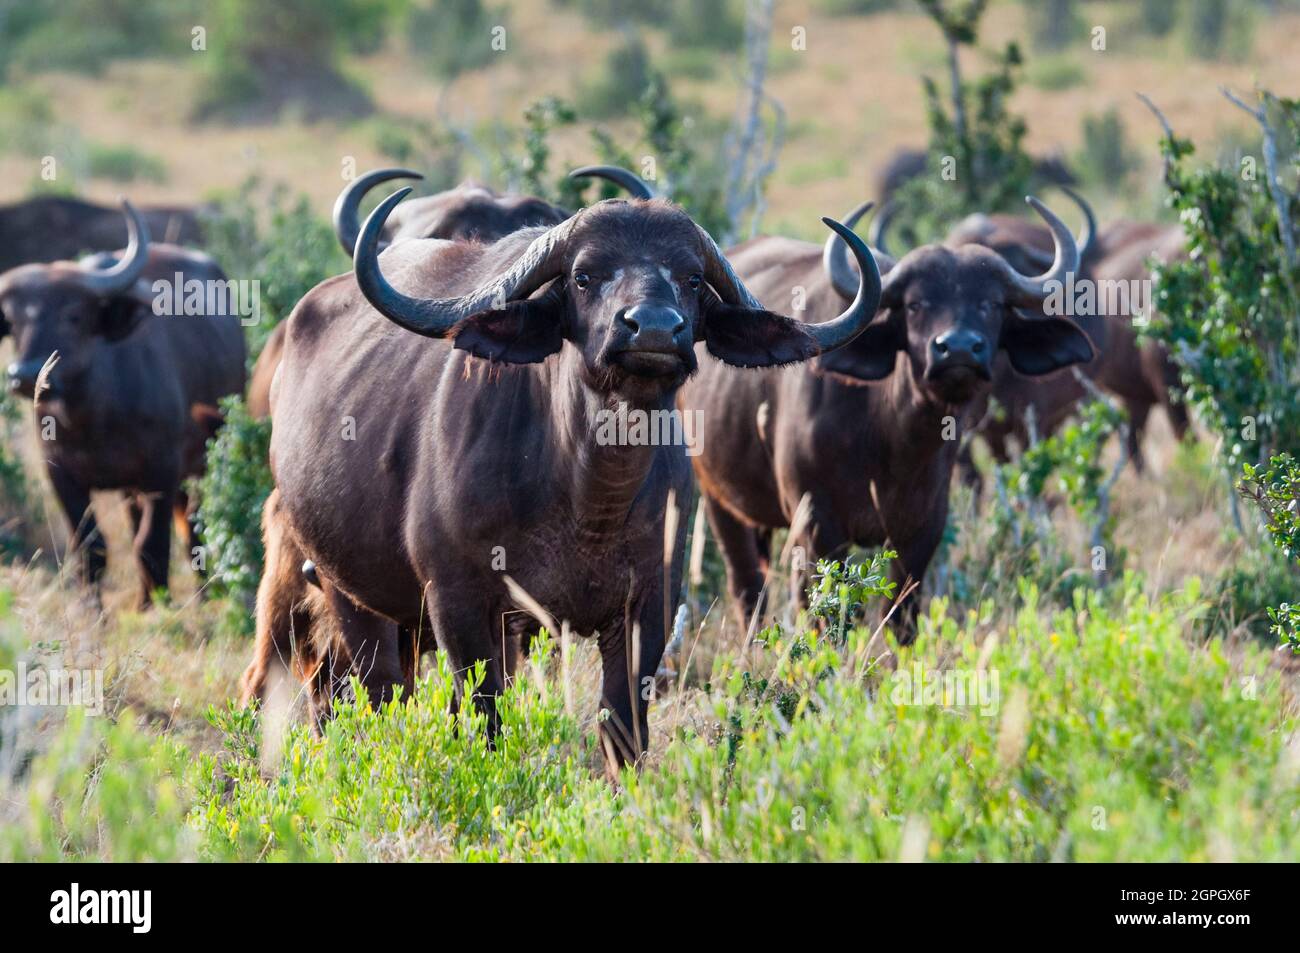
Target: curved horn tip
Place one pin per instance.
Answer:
(375, 222)
(625, 179)
(850, 238)
(854, 216)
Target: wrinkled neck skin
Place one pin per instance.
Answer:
(604, 481)
(918, 416)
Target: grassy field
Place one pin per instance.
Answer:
(1037, 717)
(852, 98)
(1139, 722)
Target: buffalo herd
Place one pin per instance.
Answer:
(440, 451)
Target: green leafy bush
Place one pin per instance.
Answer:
(291, 58)
(976, 156)
(453, 36)
(124, 164)
(231, 493)
(261, 234)
(1094, 733)
(85, 35)
(1275, 490)
(1227, 310)
(1106, 159)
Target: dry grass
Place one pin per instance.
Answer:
(852, 97)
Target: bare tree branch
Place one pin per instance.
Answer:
(753, 155)
(1167, 166)
(1260, 116)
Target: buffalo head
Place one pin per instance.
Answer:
(66, 307)
(632, 285)
(950, 308)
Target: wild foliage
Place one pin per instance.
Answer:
(976, 161)
(1064, 735)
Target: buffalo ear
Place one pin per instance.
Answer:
(523, 332)
(119, 315)
(870, 356)
(1039, 346)
(751, 337)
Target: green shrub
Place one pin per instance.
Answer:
(261, 234)
(1227, 310)
(1105, 159)
(454, 36)
(847, 8)
(85, 35)
(1087, 745)
(231, 493)
(124, 164)
(291, 58)
(1054, 24)
(1055, 73)
(717, 25)
(1218, 28)
(1275, 490)
(620, 81)
(1157, 17)
(977, 161)
(1092, 733)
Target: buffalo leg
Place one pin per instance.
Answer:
(283, 620)
(1138, 411)
(910, 566)
(468, 636)
(371, 648)
(630, 654)
(823, 538)
(187, 533)
(740, 552)
(87, 542)
(150, 514)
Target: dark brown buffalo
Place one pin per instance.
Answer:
(466, 213)
(484, 453)
(124, 398)
(56, 228)
(906, 164)
(1140, 373)
(469, 212)
(870, 432)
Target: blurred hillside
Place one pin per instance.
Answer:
(114, 91)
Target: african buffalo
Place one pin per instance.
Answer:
(57, 228)
(906, 164)
(125, 398)
(468, 212)
(870, 432)
(1140, 373)
(1042, 404)
(417, 475)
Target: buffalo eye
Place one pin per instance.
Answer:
(913, 307)
(695, 281)
(582, 279)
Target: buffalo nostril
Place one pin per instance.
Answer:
(630, 321)
(941, 347)
(977, 347)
